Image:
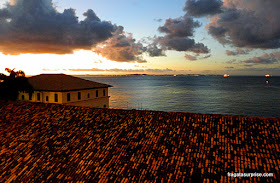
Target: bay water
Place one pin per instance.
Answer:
(235, 95)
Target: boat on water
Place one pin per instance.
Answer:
(226, 75)
(267, 75)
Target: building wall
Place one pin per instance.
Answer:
(43, 96)
(87, 97)
(98, 102)
(92, 100)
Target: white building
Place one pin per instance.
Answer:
(66, 89)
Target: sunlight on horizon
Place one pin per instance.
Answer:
(80, 62)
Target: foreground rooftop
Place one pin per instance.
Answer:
(51, 142)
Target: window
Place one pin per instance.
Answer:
(22, 97)
(88, 96)
(38, 96)
(68, 97)
(79, 95)
(96, 93)
(47, 98)
(30, 96)
(104, 92)
(55, 97)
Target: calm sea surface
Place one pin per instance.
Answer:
(249, 96)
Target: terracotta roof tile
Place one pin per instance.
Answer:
(57, 143)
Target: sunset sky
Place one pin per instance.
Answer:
(237, 37)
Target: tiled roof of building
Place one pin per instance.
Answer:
(57, 143)
(62, 82)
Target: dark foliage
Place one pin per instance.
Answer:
(12, 84)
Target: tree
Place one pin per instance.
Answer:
(14, 74)
(13, 83)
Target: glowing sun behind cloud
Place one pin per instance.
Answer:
(81, 62)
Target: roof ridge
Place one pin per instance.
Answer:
(63, 82)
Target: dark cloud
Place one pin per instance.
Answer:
(182, 44)
(179, 44)
(199, 48)
(154, 51)
(120, 70)
(234, 61)
(248, 65)
(198, 8)
(87, 70)
(229, 67)
(121, 47)
(35, 26)
(271, 58)
(218, 33)
(159, 70)
(248, 24)
(177, 36)
(141, 70)
(179, 27)
(193, 58)
(238, 51)
(126, 70)
(152, 46)
(158, 20)
(190, 57)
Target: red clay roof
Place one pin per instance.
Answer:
(62, 82)
(58, 143)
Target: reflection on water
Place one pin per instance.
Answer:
(250, 96)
